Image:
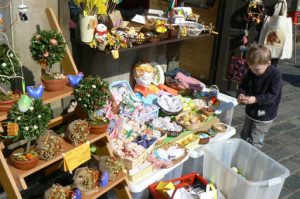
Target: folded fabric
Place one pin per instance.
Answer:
(173, 73)
(176, 84)
(191, 82)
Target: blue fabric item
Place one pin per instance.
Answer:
(149, 100)
(267, 90)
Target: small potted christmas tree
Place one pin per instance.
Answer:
(30, 124)
(47, 48)
(92, 94)
(10, 68)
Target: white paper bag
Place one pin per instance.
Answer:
(277, 33)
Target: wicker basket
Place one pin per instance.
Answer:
(130, 164)
(153, 39)
(131, 39)
(168, 113)
(207, 111)
(219, 127)
(140, 40)
(172, 133)
(164, 35)
(191, 127)
(173, 31)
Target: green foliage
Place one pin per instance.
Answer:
(8, 64)
(92, 94)
(48, 47)
(33, 122)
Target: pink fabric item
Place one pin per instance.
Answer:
(117, 129)
(191, 82)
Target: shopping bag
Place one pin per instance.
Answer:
(237, 69)
(277, 33)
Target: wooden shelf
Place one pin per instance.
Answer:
(3, 116)
(101, 191)
(48, 97)
(19, 175)
(146, 45)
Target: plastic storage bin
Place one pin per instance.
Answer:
(225, 111)
(195, 161)
(264, 177)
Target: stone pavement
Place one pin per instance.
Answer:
(283, 141)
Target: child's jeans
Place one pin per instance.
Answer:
(254, 131)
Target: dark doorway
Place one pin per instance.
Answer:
(232, 29)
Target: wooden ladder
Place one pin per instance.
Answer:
(13, 179)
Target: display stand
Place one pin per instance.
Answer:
(13, 179)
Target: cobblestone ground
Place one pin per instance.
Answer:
(283, 141)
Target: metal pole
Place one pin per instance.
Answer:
(295, 43)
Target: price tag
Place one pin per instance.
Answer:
(76, 157)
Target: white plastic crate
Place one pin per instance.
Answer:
(264, 177)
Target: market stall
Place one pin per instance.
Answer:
(120, 136)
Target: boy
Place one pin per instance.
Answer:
(260, 91)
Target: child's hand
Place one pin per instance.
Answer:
(248, 100)
(252, 100)
(241, 98)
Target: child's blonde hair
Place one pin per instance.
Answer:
(258, 54)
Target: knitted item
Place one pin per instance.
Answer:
(189, 82)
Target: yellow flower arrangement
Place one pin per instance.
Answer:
(160, 26)
(91, 7)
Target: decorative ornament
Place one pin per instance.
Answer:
(53, 42)
(47, 48)
(78, 132)
(86, 179)
(255, 11)
(97, 99)
(10, 65)
(75, 79)
(29, 119)
(76, 194)
(22, 8)
(35, 92)
(103, 181)
(46, 54)
(24, 103)
(12, 129)
(56, 191)
(49, 145)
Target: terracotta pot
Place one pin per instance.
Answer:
(6, 105)
(54, 84)
(98, 129)
(24, 165)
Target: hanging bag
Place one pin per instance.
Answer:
(276, 32)
(237, 68)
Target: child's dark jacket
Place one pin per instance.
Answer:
(267, 90)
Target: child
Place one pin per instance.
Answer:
(260, 91)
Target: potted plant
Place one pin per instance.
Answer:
(86, 180)
(92, 94)
(56, 191)
(47, 48)
(10, 67)
(31, 124)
